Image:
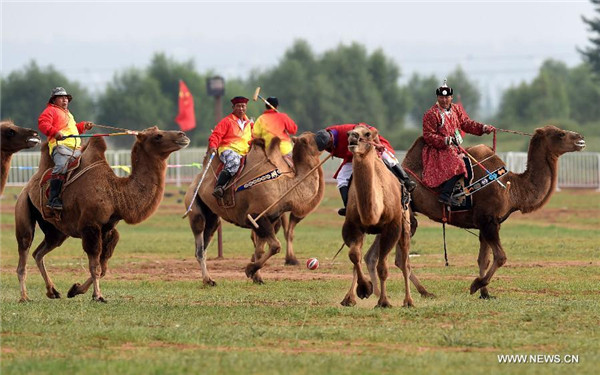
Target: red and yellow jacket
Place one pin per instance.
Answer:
(55, 119)
(273, 124)
(228, 135)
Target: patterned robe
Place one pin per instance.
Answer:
(440, 161)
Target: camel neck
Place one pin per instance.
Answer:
(369, 203)
(144, 187)
(535, 186)
(6, 158)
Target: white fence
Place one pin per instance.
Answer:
(576, 170)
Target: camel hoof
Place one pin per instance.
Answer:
(100, 299)
(348, 302)
(364, 290)
(486, 296)
(291, 262)
(24, 300)
(408, 303)
(477, 284)
(74, 290)
(251, 269)
(428, 295)
(53, 294)
(383, 305)
(209, 282)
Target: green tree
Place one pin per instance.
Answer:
(592, 54)
(422, 96)
(584, 95)
(134, 100)
(25, 94)
(465, 91)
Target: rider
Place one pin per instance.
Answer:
(58, 124)
(231, 137)
(335, 140)
(442, 159)
(275, 124)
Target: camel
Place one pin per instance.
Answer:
(205, 215)
(374, 206)
(492, 205)
(93, 205)
(14, 138)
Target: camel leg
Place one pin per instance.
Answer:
(203, 223)
(350, 298)
(371, 258)
(53, 238)
(91, 238)
(109, 242)
(353, 237)
(483, 260)
(24, 232)
(404, 249)
(259, 252)
(288, 227)
(413, 277)
(490, 232)
(388, 238)
(266, 233)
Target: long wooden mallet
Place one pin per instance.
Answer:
(198, 187)
(257, 96)
(253, 221)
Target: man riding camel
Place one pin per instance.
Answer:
(334, 139)
(442, 126)
(231, 138)
(58, 124)
(273, 124)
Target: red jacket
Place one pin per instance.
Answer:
(55, 119)
(228, 135)
(440, 161)
(340, 142)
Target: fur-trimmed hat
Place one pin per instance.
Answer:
(322, 138)
(444, 90)
(239, 99)
(59, 91)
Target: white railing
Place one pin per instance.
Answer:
(576, 170)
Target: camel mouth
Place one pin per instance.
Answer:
(580, 144)
(33, 141)
(352, 147)
(183, 142)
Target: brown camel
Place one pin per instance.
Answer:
(302, 200)
(93, 205)
(374, 206)
(525, 192)
(14, 138)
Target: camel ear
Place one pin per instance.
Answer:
(294, 138)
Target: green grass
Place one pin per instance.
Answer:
(163, 320)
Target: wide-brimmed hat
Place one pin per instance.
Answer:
(59, 91)
(444, 90)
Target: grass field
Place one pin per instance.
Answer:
(160, 319)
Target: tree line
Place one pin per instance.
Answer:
(343, 85)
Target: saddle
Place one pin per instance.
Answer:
(228, 198)
(460, 200)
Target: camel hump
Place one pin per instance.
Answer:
(258, 142)
(274, 147)
(413, 158)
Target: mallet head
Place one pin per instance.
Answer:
(256, 92)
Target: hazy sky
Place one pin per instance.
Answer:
(497, 43)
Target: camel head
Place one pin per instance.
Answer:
(15, 138)
(361, 139)
(305, 146)
(162, 142)
(557, 141)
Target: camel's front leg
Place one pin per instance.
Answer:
(203, 224)
(413, 276)
(353, 238)
(371, 258)
(259, 252)
(288, 227)
(404, 250)
(91, 238)
(388, 239)
(266, 233)
(490, 232)
(24, 231)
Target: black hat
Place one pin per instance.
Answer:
(322, 138)
(59, 91)
(273, 101)
(444, 90)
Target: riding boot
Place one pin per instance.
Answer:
(344, 194)
(409, 184)
(446, 191)
(54, 201)
(223, 179)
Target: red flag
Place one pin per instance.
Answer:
(186, 119)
